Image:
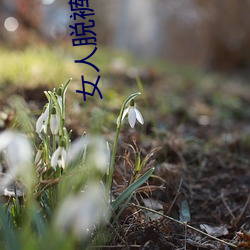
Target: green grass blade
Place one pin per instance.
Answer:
(128, 191)
(122, 209)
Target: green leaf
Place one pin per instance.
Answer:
(129, 190)
(10, 236)
(122, 209)
(185, 212)
(39, 222)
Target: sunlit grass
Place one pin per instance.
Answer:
(36, 65)
(42, 64)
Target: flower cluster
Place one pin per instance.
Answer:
(83, 200)
(51, 130)
(51, 115)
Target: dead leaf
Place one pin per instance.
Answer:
(215, 231)
(152, 204)
(245, 236)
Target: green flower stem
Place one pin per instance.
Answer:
(65, 87)
(47, 137)
(112, 164)
(54, 142)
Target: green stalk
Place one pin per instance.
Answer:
(47, 139)
(112, 164)
(65, 87)
(54, 142)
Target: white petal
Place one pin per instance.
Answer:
(39, 123)
(54, 124)
(46, 113)
(5, 139)
(78, 214)
(61, 163)
(19, 151)
(19, 158)
(55, 156)
(38, 156)
(125, 112)
(117, 120)
(59, 99)
(63, 158)
(101, 154)
(139, 116)
(132, 117)
(77, 147)
(44, 127)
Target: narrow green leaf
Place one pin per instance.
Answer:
(39, 222)
(122, 209)
(128, 191)
(10, 236)
(138, 163)
(65, 87)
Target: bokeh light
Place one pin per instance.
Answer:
(11, 24)
(47, 2)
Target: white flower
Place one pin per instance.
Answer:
(42, 122)
(39, 155)
(59, 99)
(98, 152)
(17, 152)
(59, 157)
(54, 121)
(133, 114)
(79, 214)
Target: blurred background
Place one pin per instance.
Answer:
(212, 34)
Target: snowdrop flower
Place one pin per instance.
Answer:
(98, 152)
(59, 157)
(133, 114)
(79, 214)
(42, 122)
(59, 99)
(54, 121)
(39, 154)
(17, 152)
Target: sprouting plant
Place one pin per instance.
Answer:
(119, 122)
(51, 154)
(126, 195)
